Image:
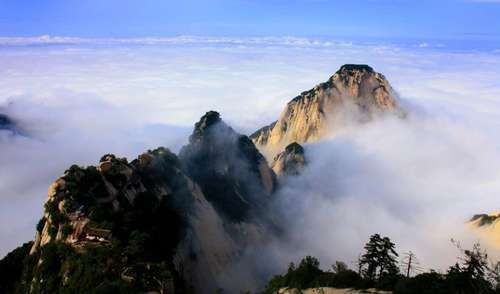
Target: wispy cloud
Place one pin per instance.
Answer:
(79, 101)
(180, 40)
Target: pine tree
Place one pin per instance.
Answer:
(370, 261)
(379, 259)
(471, 275)
(388, 258)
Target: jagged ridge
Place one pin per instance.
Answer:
(232, 173)
(147, 225)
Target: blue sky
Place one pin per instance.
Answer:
(449, 19)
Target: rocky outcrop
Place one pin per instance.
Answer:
(85, 207)
(231, 172)
(236, 180)
(112, 186)
(138, 212)
(290, 162)
(190, 216)
(481, 220)
(353, 93)
(487, 227)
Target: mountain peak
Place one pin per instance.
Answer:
(355, 67)
(208, 120)
(355, 93)
(229, 169)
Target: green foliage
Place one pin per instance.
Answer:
(471, 275)
(425, 283)
(352, 67)
(63, 270)
(40, 225)
(379, 263)
(136, 244)
(308, 274)
(85, 187)
(47, 275)
(96, 270)
(275, 284)
(145, 230)
(66, 230)
(11, 268)
(304, 275)
(107, 157)
(339, 267)
(151, 229)
(52, 209)
(52, 231)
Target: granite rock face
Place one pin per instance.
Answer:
(354, 92)
(290, 162)
(174, 222)
(231, 172)
(170, 223)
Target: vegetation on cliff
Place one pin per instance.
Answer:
(128, 227)
(102, 244)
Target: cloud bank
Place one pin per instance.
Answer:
(416, 181)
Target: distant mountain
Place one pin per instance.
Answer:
(353, 92)
(487, 226)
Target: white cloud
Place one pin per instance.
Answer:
(179, 40)
(417, 181)
(83, 101)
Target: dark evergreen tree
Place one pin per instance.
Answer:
(388, 259)
(370, 260)
(380, 258)
(471, 274)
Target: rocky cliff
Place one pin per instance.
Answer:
(289, 162)
(354, 92)
(113, 227)
(232, 173)
(168, 223)
(159, 223)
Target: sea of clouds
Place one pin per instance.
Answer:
(416, 180)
